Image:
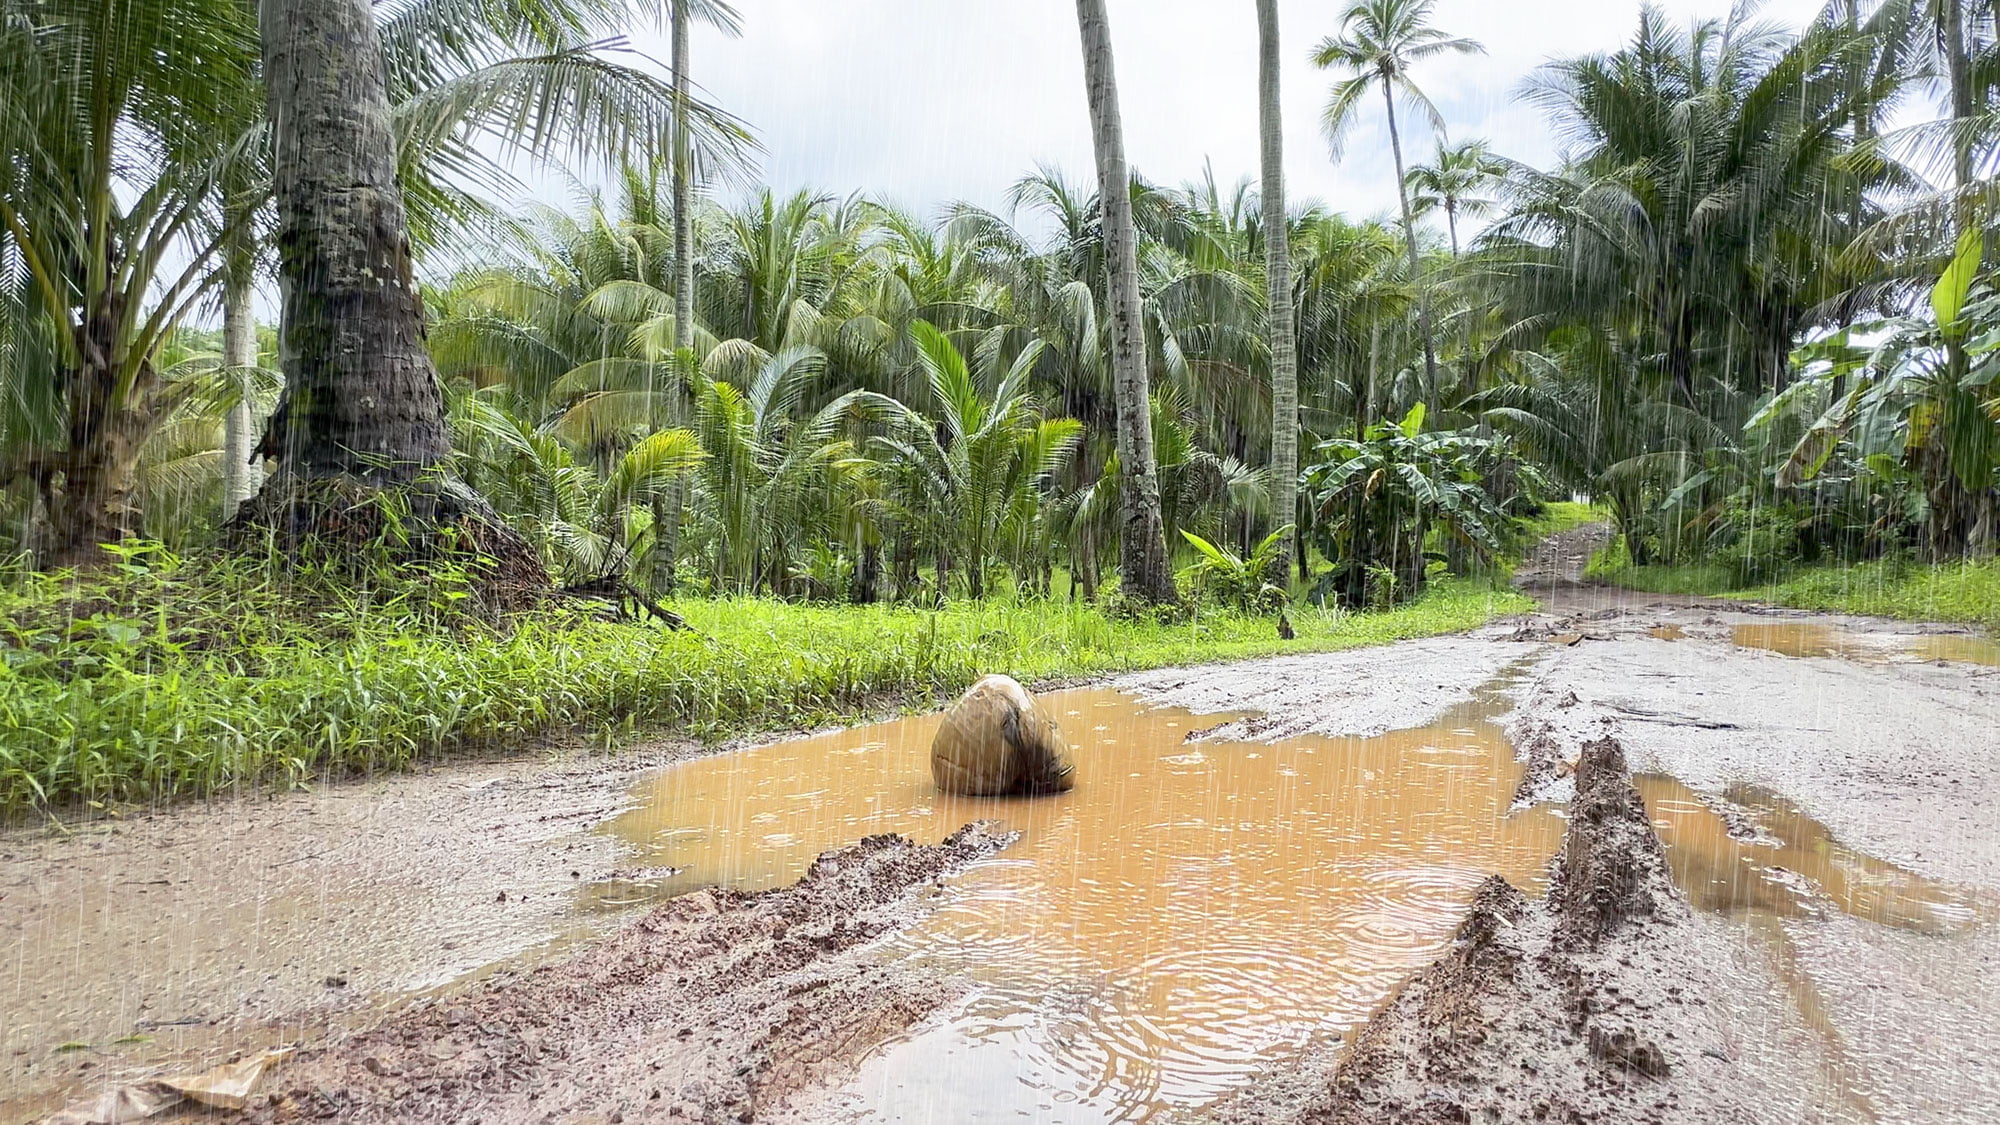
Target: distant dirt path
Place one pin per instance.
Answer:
(1561, 559)
(169, 939)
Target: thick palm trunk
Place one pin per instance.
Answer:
(1410, 240)
(1278, 279)
(362, 417)
(361, 396)
(1145, 570)
(241, 477)
(98, 469)
(98, 466)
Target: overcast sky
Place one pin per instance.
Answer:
(926, 101)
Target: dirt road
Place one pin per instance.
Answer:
(1817, 940)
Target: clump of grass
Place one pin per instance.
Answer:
(167, 679)
(1965, 592)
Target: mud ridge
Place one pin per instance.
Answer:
(709, 1008)
(1586, 1006)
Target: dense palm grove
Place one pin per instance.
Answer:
(1747, 311)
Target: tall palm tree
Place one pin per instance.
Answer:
(669, 504)
(1278, 277)
(1378, 43)
(1456, 182)
(1144, 565)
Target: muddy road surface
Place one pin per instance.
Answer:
(1623, 859)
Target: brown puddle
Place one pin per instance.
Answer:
(1668, 632)
(1158, 933)
(1789, 865)
(1815, 639)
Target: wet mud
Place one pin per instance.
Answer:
(704, 1010)
(1157, 933)
(1609, 998)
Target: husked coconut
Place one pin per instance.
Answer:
(994, 741)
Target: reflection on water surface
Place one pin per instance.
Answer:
(1799, 638)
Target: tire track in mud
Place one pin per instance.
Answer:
(1590, 1005)
(708, 1009)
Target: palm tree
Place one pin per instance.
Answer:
(1456, 182)
(985, 466)
(175, 216)
(362, 398)
(1145, 570)
(1379, 41)
(121, 118)
(1278, 282)
(587, 523)
(669, 507)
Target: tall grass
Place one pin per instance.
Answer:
(1964, 592)
(1967, 591)
(170, 680)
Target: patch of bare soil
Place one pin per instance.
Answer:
(1591, 1005)
(164, 940)
(709, 1007)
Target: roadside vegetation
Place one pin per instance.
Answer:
(172, 678)
(1967, 592)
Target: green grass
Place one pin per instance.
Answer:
(1966, 592)
(1559, 517)
(173, 680)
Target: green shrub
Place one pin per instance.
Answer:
(167, 679)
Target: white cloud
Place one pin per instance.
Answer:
(926, 101)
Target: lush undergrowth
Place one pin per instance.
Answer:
(1968, 592)
(1963, 592)
(1558, 517)
(172, 679)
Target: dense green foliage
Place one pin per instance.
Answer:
(1741, 310)
(165, 679)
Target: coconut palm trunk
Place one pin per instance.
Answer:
(361, 397)
(240, 476)
(1146, 573)
(1278, 278)
(363, 411)
(669, 509)
(1410, 240)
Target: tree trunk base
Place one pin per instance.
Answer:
(357, 523)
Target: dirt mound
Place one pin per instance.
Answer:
(707, 1008)
(1613, 868)
(1586, 1006)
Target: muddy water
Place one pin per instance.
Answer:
(1769, 869)
(1813, 639)
(1785, 864)
(1159, 932)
